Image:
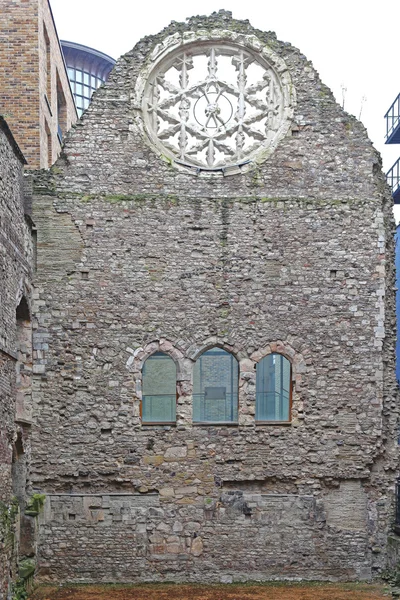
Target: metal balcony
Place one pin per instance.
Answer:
(393, 123)
(393, 179)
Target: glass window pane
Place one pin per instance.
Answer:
(79, 88)
(159, 389)
(71, 73)
(86, 91)
(86, 77)
(78, 75)
(273, 382)
(215, 387)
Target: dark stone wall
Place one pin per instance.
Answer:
(15, 282)
(136, 256)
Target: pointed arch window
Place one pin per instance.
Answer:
(215, 387)
(273, 389)
(159, 389)
(23, 406)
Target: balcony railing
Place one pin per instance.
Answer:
(393, 179)
(393, 123)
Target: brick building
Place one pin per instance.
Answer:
(35, 94)
(214, 392)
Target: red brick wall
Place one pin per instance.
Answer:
(23, 78)
(48, 87)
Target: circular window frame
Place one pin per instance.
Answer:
(166, 52)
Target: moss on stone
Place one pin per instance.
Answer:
(35, 504)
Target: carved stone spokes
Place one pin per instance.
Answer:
(214, 104)
(230, 145)
(212, 65)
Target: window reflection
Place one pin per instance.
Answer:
(273, 384)
(159, 389)
(83, 86)
(215, 387)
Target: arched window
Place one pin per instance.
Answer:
(159, 389)
(215, 387)
(273, 388)
(23, 346)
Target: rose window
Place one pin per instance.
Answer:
(215, 105)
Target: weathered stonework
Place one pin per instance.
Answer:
(16, 258)
(135, 255)
(229, 85)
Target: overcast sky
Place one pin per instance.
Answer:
(353, 44)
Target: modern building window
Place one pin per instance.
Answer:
(215, 387)
(61, 109)
(159, 389)
(49, 145)
(273, 388)
(87, 70)
(83, 86)
(48, 64)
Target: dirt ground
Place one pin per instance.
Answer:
(275, 591)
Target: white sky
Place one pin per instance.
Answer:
(353, 44)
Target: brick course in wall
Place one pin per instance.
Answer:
(136, 255)
(28, 90)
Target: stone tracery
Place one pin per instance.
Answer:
(214, 105)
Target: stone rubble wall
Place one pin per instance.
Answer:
(15, 281)
(135, 256)
(151, 537)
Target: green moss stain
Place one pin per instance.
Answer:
(169, 199)
(35, 504)
(8, 515)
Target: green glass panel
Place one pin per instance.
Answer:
(215, 387)
(159, 389)
(273, 388)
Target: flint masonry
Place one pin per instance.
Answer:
(213, 392)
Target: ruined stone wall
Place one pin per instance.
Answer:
(136, 255)
(15, 282)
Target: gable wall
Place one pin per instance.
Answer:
(136, 256)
